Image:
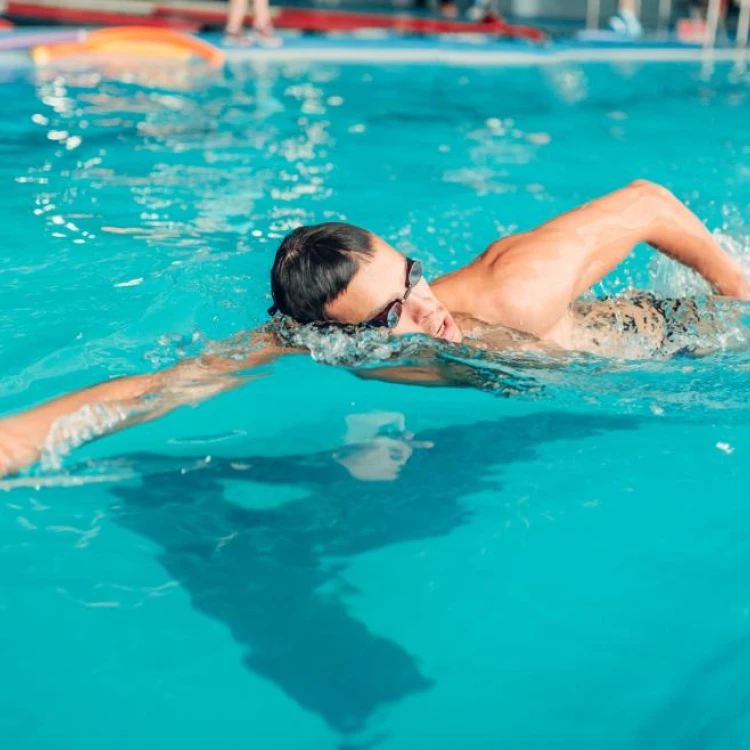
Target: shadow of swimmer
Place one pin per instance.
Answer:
(267, 573)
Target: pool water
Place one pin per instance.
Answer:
(314, 561)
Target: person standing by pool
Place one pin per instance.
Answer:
(341, 275)
(625, 21)
(262, 24)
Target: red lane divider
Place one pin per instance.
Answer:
(191, 18)
(326, 20)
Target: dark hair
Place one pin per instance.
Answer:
(314, 265)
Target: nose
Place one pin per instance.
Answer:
(420, 308)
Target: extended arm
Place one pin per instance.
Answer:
(548, 268)
(111, 406)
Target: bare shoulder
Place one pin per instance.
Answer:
(519, 264)
(498, 249)
(527, 279)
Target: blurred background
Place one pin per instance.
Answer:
(685, 20)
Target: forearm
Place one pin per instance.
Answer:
(604, 232)
(108, 407)
(431, 375)
(676, 231)
(23, 436)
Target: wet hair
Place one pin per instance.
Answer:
(314, 265)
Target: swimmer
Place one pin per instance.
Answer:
(523, 290)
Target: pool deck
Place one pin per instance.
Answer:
(377, 46)
(476, 49)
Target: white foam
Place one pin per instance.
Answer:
(73, 430)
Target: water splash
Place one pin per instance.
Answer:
(73, 430)
(339, 345)
(670, 279)
(702, 362)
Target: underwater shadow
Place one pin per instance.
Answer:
(273, 575)
(709, 708)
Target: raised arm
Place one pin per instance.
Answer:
(116, 404)
(548, 268)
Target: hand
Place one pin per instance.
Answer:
(15, 452)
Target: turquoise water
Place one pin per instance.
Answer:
(285, 566)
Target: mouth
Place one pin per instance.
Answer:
(445, 331)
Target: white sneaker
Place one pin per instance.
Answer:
(626, 22)
(478, 10)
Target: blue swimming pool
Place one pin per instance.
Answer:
(285, 567)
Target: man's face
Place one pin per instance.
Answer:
(380, 280)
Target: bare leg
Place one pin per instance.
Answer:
(261, 16)
(262, 24)
(236, 16)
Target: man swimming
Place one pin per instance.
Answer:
(341, 275)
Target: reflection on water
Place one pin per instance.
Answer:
(276, 576)
(175, 114)
(377, 446)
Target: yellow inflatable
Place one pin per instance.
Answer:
(132, 41)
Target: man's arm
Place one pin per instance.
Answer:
(433, 374)
(433, 363)
(543, 271)
(116, 404)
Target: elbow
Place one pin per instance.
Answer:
(651, 190)
(654, 205)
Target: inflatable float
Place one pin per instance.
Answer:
(131, 41)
